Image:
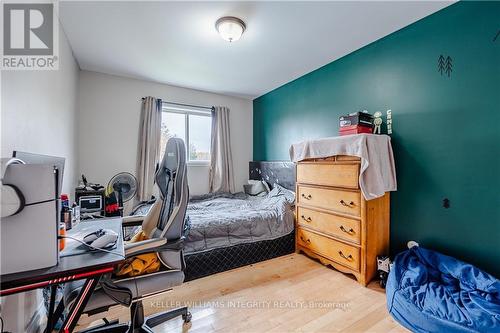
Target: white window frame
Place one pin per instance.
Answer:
(187, 111)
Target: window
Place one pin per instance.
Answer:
(192, 125)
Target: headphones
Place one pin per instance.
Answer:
(12, 199)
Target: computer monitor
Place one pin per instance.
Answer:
(57, 162)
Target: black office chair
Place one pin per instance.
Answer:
(164, 225)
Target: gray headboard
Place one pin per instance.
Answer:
(280, 172)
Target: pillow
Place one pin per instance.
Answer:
(256, 188)
(266, 186)
(280, 190)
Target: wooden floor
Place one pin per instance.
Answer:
(290, 293)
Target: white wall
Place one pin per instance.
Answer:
(39, 112)
(108, 126)
(39, 115)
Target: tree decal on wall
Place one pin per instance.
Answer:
(441, 64)
(448, 66)
(445, 65)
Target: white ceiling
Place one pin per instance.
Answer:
(176, 42)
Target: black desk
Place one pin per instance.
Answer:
(75, 263)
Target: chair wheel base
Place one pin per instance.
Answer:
(187, 317)
(141, 324)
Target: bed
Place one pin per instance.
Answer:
(233, 230)
(226, 231)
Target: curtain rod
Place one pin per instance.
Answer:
(188, 105)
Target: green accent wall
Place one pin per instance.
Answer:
(446, 130)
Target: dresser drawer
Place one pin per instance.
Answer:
(343, 158)
(337, 226)
(331, 249)
(329, 174)
(347, 202)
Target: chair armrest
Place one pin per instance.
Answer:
(145, 246)
(153, 245)
(130, 221)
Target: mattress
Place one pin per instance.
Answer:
(223, 219)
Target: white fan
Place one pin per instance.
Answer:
(125, 186)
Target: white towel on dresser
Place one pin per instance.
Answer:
(378, 172)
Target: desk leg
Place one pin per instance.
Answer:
(56, 316)
(50, 315)
(79, 305)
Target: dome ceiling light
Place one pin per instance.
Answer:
(230, 28)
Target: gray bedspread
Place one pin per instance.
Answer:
(224, 219)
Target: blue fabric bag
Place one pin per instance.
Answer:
(430, 292)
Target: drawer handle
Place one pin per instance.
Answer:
(307, 219)
(348, 258)
(308, 197)
(305, 240)
(350, 231)
(350, 204)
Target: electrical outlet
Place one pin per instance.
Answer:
(446, 203)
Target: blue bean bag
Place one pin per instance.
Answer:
(430, 292)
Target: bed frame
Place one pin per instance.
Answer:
(219, 260)
(278, 172)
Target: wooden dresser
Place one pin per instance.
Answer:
(335, 224)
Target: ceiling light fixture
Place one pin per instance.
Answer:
(230, 28)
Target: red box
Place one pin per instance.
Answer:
(354, 129)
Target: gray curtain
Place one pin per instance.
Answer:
(149, 146)
(221, 177)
